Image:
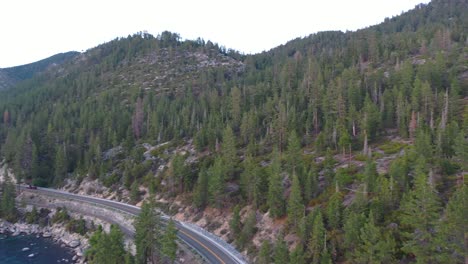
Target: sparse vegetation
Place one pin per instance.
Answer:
(392, 147)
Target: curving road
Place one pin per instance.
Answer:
(213, 251)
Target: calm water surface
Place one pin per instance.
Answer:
(44, 249)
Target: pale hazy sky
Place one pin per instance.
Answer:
(31, 30)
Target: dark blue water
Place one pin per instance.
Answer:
(44, 249)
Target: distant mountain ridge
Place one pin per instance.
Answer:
(12, 75)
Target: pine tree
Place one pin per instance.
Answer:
(294, 156)
(328, 166)
(306, 225)
(180, 173)
(216, 182)
(228, 152)
(115, 248)
(60, 165)
(326, 257)
(317, 239)
(169, 241)
(248, 127)
(423, 145)
(275, 189)
(387, 193)
(311, 184)
(370, 175)
(402, 113)
(461, 147)
(420, 210)
(452, 230)
(95, 244)
(261, 186)
(20, 156)
(137, 119)
(264, 256)
(281, 254)
(320, 143)
(371, 120)
(129, 139)
(248, 230)
(248, 179)
(7, 204)
(344, 141)
(33, 216)
(200, 195)
(235, 106)
(135, 192)
(416, 95)
(106, 248)
(297, 255)
(334, 211)
(128, 259)
(34, 162)
(399, 170)
(147, 234)
(235, 223)
(295, 205)
(353, 224)
(373, 247)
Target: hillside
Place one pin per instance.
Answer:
(333, 144)
(11, 76)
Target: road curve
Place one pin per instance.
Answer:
(210, 249)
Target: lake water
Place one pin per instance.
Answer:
(44, 249)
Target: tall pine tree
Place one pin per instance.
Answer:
(334, 211)
(169, 241)
(295, 204)
(147, 234)
(281, 254)
(420, 210)
(275, 188)
(453, 229)
(317, 239)
(373, 247)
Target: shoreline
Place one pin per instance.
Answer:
(75, 243)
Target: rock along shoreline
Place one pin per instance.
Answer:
(57, 232)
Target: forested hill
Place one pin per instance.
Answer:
(344, 138)
(11, 76)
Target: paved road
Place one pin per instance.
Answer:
(211, 250)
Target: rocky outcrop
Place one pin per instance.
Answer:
(3, 172)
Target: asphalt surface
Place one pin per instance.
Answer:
(209, 249)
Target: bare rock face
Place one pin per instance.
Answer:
(112, 153)
(3, 169)
(74, 243)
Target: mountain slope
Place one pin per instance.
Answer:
(340, 132)
(10, 76)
